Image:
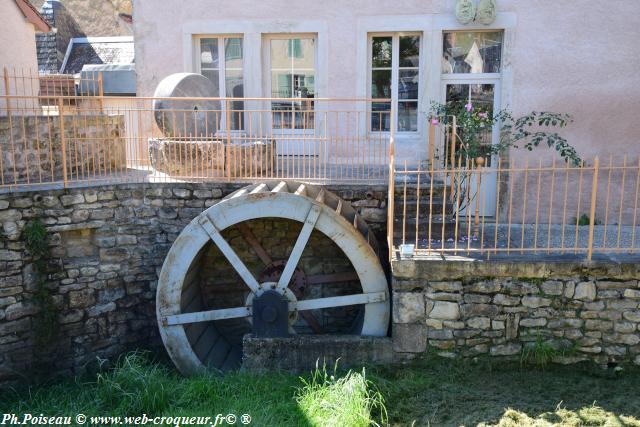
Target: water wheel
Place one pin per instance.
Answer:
(285, 243)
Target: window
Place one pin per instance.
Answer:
(471, 62)
(466, 52)
(395, 75)
(292, 72)
(225, 72)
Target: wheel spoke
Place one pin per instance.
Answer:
(341, 301)
(312, 321)
(298, 248)
(252, 240)
(229, 253)
(205, 316)
(318, 279)
(310, 304)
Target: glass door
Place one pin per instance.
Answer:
(482, 95)
(292, 63)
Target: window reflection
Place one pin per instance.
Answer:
(481, 96)
(293, 76)
(472, 52)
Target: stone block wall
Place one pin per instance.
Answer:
(108, 244)
(584, 311)
(31, 147)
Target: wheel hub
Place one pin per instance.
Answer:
(270, 315)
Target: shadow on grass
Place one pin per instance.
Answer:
(442, 392)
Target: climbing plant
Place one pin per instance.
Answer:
(529, 131)
(36, 240)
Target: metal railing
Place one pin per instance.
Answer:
(471, 207)
(135, 139)
(45, 89)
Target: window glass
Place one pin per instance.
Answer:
(209, 53)
(395, 57)
(234, 84)
(409, 51)
(472, 52)
(481, 97)
(293, 76)
(381, 50)
(226, 70)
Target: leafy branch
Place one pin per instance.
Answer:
(529, 131)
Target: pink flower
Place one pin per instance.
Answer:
(435, 121)
(469, 107)
(482, 115)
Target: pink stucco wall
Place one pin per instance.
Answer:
(578, 57)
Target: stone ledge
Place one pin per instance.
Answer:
(447, 269)
(300, 353)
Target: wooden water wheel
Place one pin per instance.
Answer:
(285, 240)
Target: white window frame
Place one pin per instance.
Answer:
(395, 72)
(266, 51)
(222, 73)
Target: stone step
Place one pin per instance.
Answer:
(435, 208)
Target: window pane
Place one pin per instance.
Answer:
(407, 116)
(381, 52)
(380, 116)
(214, 76)
(281, 115)
(409, 51)
(281, 84)
(279, 51)
(471, 52)
(481, 97)
(381, 84)
(408, 84)
(303, 85)
(303, 53)
(235, 89)
(234, 84)
(209, 53)
(233, 53)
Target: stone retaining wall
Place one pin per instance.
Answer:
(31, 147)
(584, 311)
(108, 244)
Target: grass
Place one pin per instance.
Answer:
(440, 392)
(430, 392)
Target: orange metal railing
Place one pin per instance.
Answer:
(492, 207)
(125, 139)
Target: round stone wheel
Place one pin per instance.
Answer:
(300, 241)
(187, 118)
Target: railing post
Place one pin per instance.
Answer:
(391, 195)
(592, 212)
(63, 142)
(228, 150)
(6, 90)
(432, 142)
(100, 91)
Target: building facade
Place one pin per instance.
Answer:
(569, 57)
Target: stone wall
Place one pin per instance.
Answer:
(108, 244)
(463, 308)
(31, 147)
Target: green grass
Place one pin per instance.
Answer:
(430, 392)
(137, 386)
(442, 392)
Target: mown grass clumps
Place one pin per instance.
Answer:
(350, 400)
